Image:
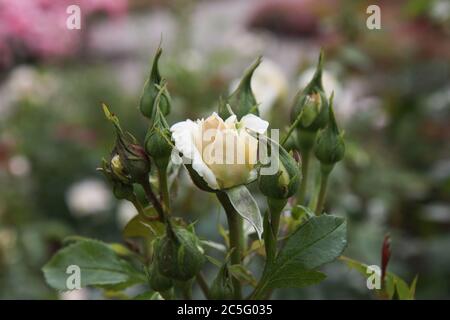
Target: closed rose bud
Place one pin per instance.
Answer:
(179, 254)
(285, 182)
(291, 143)
(117, 168)
(122, 187)
(134, 159)
(157, 281)
(329, 147)
(311, 104)
(222, 286)
(158, 141)
(305, 140)
(130, 159)
(242, 100)
(150, 92)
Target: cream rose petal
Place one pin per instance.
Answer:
(184, 134)
(254, 123)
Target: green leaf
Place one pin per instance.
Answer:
(149, 295)
(302, 213)
(244, 203)
(118, 248)
(395, 287)
(140, 227)
(412, 288)
(296, 278)
(99, 266)
(317, 241)
(214, 245)
(214, 261)
(244, 275)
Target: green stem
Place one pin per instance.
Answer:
(275, 208)
(164, 187)
(260, 290)
(140, 209)
(138, 205)
(324, 174)
(203, 284)
(306, 156)
(235, 234)
(186, 291)
(291, 128)
(167, 295)
(154, 200)
(270, 242)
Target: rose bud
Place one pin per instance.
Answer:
(329, 147)
(311, 103)
(150, 92)
(122, 188)
(157, 281)
(269, 86)
(242, 100)
(158, 141)
(130, 158)
(179, 254)
(285, 182)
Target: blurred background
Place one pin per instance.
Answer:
(392, 98)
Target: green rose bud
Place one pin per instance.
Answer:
(122, 188)
(157, 281)
(151, 89)
(329, 147)
(158, 141)
(285, 182)
(222, 287)
(311, 104)
(131, 163)
(179, 254)
(242, 100)
(305, 140)
(292, 142)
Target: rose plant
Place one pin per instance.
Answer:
(223, 154)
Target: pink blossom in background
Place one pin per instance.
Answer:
(38, 27)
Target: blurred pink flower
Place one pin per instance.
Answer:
(38, 27)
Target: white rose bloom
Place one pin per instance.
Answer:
(223, 153)
(269, 84)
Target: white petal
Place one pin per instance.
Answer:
(184, 133)
(254, 123)
(231, 119)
